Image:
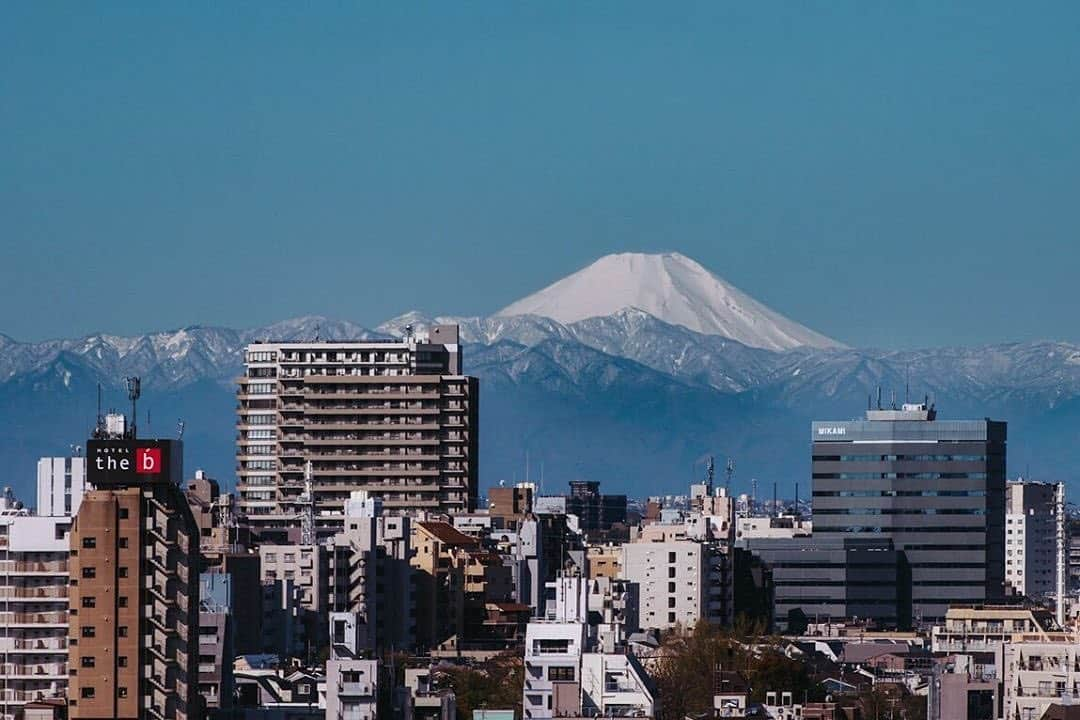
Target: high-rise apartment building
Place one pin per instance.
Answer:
(1031, 538)
(393, 417)
(134, 593)
(935, 488)
(33, 608)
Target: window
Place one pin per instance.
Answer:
(122, 572)
(89, 572)
(89, 543)
(123, 542)
(122, 661)
(671, 572)
(561, 674)
(123, 513)
(121, 692)
(671, 617)
(671, 602)
(87, 692)
(88, 631)
(122, 601)
(671, 557)
(87, 661)
(671, 587)
(122, 631)
(89, 601)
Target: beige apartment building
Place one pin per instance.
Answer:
(395, 418)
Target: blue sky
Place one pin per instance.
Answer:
(893, 174)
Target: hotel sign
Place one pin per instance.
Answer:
(133, 462)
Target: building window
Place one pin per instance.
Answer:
(121, 692)
(123, 513)
(89, 572)
(123, 542)
(122, 572)
(122, 601)
(88, 631)
(122, 631)
(122, 661)
(89, 601)
(671, 617)
(89, 543)
(87, 661)
(671, 557)
(87, 693)
(561, 674)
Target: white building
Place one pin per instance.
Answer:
(61, 482)
(1040, 673)
(566, 673)
(352, 683)
(1031, 537)
(33, 607)
(677, 583)
(370, 575)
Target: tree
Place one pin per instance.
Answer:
(495, 683)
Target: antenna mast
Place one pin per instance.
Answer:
(710, 475)
(729, 472)
(307, 509)
(134, 388)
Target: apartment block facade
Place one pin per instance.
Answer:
(393, 417)
(33, 609)
(1031, 538)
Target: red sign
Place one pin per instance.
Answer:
(148, 461)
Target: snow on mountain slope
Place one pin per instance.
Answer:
(673, 288)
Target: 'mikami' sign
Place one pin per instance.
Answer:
(831, 431)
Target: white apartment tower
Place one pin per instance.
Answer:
(395, 418)
(61, 482)
(33, 608)
(1031, 537)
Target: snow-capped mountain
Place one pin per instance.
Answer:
(673, 288)
(620, 394)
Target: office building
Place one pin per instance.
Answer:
(395, 418)
(1031, 538)
(33, 608)
(61, 482)
(134, 590)
(935, 488)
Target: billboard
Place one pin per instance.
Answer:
(133, 462)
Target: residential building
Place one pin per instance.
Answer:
(216, 646)
(134, 585)
(421, 699)
(935, 488)
(295, 596)
(33, 607)
(566, 675)
(61, 482)
(1031, 538)
(371, 576)
(672, 579)
(352, 683)
(981, 633)
(396, 418)
(1039, 673)
(508, 506)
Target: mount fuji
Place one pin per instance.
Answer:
(673, 288)
(629, 371)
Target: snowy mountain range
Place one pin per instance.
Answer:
(632, 386)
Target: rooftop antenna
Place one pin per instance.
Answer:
(753, 495)
(180, 425)
(774, 501)
(100, 427)
(729, 472)
(710, 475)
(907, 383)
(318, 331)
(796, 513)
(134, 388)
(878, 397)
